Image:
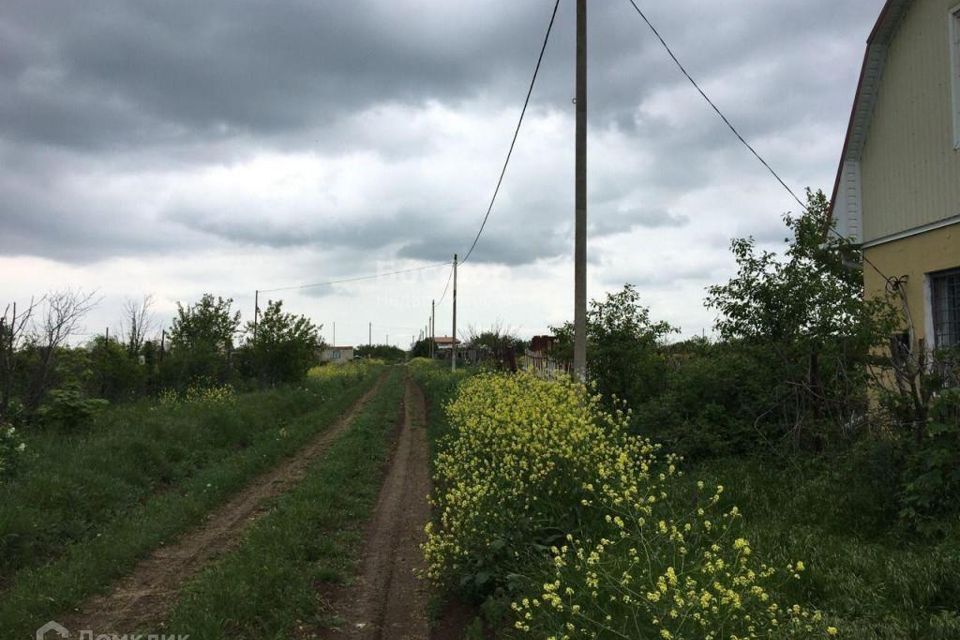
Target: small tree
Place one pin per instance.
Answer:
(623, 352)
(201, 340)
(285, 346)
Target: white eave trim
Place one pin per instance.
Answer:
(939, 224)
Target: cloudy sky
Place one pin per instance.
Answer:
(224, 146)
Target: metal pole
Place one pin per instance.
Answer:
(580, 244)
(453, 360)
(370, 335)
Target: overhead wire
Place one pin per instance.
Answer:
(516, 133)
(734, 130)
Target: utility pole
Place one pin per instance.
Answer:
(580, 242)
(256, 312)
(334, 334)
(453, 360)
(433, 319)
(107, 335)
(370, 335)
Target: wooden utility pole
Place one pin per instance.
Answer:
(433, 319)
(580, 242)
(256, 312)
(453, 360)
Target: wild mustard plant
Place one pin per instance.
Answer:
(542, 492)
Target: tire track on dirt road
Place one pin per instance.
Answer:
(389, 601)
(142, 599)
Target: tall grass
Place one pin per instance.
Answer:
(88, 505)
(312, 536)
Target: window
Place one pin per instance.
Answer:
(945, 308)
(955, 67)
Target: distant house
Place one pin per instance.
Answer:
(445, 343)
(337, 355)
(897, 191)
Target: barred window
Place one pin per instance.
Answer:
(945, 307)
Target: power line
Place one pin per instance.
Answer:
(356, 279)
(733, 129)
(516, 132)
(445, 287)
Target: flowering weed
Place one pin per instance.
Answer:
(543, 495)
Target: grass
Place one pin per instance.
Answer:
(875, 583)
(312, 536)
(88, 506)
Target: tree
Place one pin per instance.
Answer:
(807, 310)
(13, 328)
(60, 317)
(386, 352)
(285, 346)
(497, 343)
(202, 341)
(138, 322)
(623, 347)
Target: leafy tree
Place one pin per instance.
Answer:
(385, 352)
(285, 346)
(623, 347)
(805, 311)
(113, 373)
(201, 341)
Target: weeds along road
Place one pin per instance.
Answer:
(143, 599)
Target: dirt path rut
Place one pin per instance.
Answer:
(389, 602)
(142, 599)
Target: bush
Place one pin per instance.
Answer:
(544, 495)
(931, 492)
(714, 402)
(11, 450)
(68, 409)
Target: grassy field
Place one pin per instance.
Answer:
(87, 506)
(312, 536)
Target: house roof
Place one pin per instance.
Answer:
(868, 86)
(444, 340)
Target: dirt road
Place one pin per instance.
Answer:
(142, 599)
(388, 601)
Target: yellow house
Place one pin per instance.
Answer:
(897, 191)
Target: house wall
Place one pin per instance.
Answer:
(910, 170)
(913, 257)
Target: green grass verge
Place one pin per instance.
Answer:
(119, 526)
(875, 585)
(312, 535)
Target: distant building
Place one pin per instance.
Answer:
(897, 191)
(337, 355)
(445, 343)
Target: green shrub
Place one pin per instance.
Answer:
(68, 409)
(931, 492)
(12, 448)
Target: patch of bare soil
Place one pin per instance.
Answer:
(142, 599)
(389, 601)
